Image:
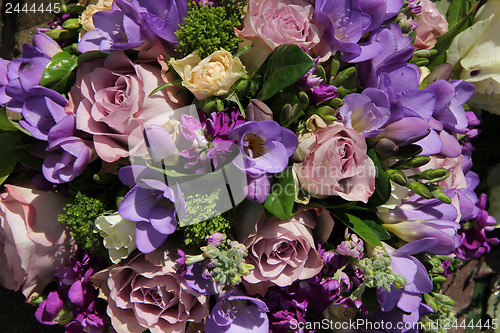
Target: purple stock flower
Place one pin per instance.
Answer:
(152, 204)
(207, 139)
(366, 112)
(133, 24)
(474, 243)
(351, 247)
(75, 304)
(346, 22)
(235, 314)
(264, 145)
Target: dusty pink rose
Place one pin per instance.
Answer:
(32, 242)
(282, 251)
(430, 25)
(269, 23)
(335, 163)
(111, 102)
(146, 293)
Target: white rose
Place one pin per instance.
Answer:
(118, 234)
(475, 56)
(212, 76)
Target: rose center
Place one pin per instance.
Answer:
(254, 145)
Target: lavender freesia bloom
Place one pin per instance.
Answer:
(418, 218)
(238, 314)
(19, 76)
(366, 112)
(264, 145)
(134, 24)
(152, 204)
(346, 22)
(396, 51)
(418, 283)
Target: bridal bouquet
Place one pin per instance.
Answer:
(240, 166)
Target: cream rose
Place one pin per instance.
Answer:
(118, 236)
(212, 76)
(94, 7)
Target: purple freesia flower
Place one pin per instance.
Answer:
(19, 76)
(418, 283)
(346, 22)
(264, 145)
(133, 24)
(396, 51)
(46, 119)
(418, 218)
(152, 204)
(396, 317)
(238, 314)
(366, 112)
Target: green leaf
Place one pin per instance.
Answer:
(378, 229)
(285, 66)
(160, 87)
(280, 201)
(9, 162)
(444, 41)
(361, 228)
(457, 10)
(6, 167)
(60, 72)
(8, 125)
(382, 184)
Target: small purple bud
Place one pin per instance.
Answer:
(160, 144)
(215, 239)
(258, 110)
(258, 188)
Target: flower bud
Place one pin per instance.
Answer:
(397, 176)
(415, 162)
(335, 103)
(289, 114)
(320, 71)
(438, 193)
(420, 189)
(161, 146)
(71, 24)
(327, 113)
(303, 100)
(344, 75)
(258, 110)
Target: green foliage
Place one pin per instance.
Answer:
(194, 234)
(280, 201)
(81, 212)
(208, 29)
(60, 72)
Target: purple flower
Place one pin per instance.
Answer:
(396, 51)
(474, 243)
(352, 247)
(346, 22)
(75, 304)
(135, 24)
(235, 314)
(207, 141)
(45, 118)
(152, 204)
(418, 282)
(418, 218)
(264, 145)
(366, 112)
(18, 76)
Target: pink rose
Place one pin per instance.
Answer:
(336, 163)
(269, 23)
(282, 251)
(111, 102)
(430, 25)
(32, 241)
(146, 293)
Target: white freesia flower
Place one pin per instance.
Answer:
(118, 234)
(475, 56)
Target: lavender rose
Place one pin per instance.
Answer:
(282, 251)
(111, 101)
(336, 163)
(147, 293)
(32, 242)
